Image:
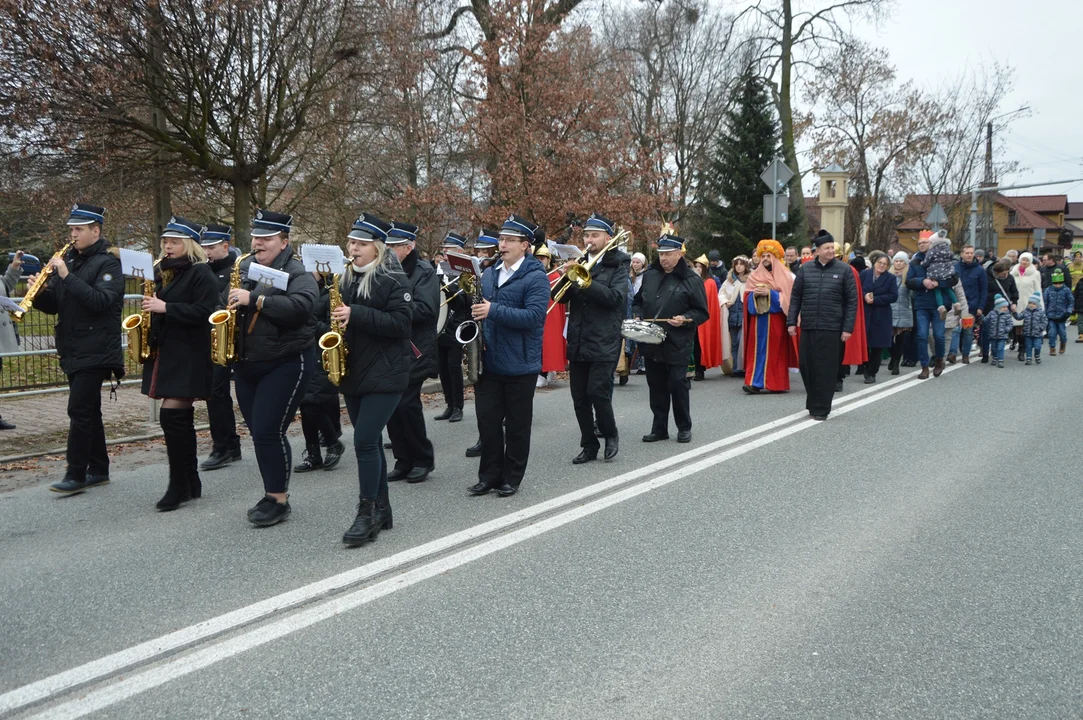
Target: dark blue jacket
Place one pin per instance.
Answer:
(975, 281)
(922, 298)
(885, 291)
(1059, 303)
(513, 330)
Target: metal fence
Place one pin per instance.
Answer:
(35, 366)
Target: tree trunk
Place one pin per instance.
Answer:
(242, 215)
(798, 221)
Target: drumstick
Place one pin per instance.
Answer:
(662, 320)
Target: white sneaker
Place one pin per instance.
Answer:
(542, 382)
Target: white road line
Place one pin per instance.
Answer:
(169, 670)
(143, 652)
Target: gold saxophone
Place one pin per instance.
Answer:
(331, 343)
(138, 326)
(39, 283)
(224, 324)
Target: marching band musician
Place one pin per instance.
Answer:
(515, 295)
(321, 418)
(595, 314)
(673, 292)
(86, 293)
(485, 248)
(179, 371)
(276, 356)
(450, 352)
(226, 443)
(414, 457)
(376, 315)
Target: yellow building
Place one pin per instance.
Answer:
(1015, 220)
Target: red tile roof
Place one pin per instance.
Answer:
(1075, 211)
(915, 208)
(1045, 204)
(1025, 218)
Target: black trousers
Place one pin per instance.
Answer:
(368, 415)
(269, 394)
(501, 400)
(668, 385)
(321, 422)
(592, 396)
(898, 345)
(451, 374)
(820, 351)
(406, 429)
(86, 432)
(220, 411)
(875, 358)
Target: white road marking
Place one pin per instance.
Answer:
(134, 684)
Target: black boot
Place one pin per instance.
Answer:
(173, 423)
(312, 460)
(195, 487)
(384, 520)
(334, 455)
(364, 528)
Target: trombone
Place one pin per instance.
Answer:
(579, 273)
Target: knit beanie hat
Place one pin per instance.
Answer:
(901, 256)
(1058, 276)
(1036, 298)
(1000, 303)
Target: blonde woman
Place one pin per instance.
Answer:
(178, 371)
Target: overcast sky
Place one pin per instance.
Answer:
(1042, 39)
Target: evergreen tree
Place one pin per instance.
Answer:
(730, 213)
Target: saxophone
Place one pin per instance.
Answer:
(39, 283)
(138, 327)
(224, 324)
(331, 343)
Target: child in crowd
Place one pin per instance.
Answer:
(939, 264)
(1059, 306)
(998, 324)
(1034, 325)
(1077, 295)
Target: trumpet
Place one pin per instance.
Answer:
(39, 282)
(579, 273)
(224, 324)
(331, 343)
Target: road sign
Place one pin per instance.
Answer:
(776, 208)
(1039, 236)
(936, 217)
(776, 176)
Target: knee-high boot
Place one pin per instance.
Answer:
(173, 421)
(195, 487)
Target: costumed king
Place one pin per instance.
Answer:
(769, 351)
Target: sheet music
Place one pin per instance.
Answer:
(323, 258)
(447, 271)
(268, 276)
(564, 252)
(464, 263)
(137, 264)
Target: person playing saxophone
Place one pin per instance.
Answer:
(86, 293)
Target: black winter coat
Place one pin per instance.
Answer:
(1008, 283)
(595, 314)
(87, 304)
(665, 295)
(180, 338)
(824, 296)
(425, 297)
(378, 334)
(222, 270)
(320, 388)
(287, 323)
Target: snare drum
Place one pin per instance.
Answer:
(643, 332)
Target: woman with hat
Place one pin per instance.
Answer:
(179, 371)
(276, 350)
(377, 315)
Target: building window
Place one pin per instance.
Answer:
(1013, 217)
(831, 188)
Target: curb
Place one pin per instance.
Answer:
(114, 441)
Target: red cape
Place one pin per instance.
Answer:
(857, 347)
(554, 344)
(710, 332)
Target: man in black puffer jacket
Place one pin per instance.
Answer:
(86, 292)
(595, 315)
(226, 448)
(824, 296)
(673, 291)
(414, 457)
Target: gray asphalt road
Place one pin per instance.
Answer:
(918, 555)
